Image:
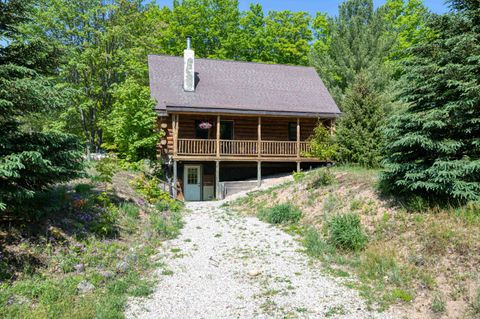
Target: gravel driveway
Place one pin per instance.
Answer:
(228, 266)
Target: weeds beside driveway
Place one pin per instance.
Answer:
(227, 266)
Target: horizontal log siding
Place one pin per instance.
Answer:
(245, 128)
(165, 148)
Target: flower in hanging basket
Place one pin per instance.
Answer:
(205, 125)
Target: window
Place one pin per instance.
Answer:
(192, 176)
(292, 131)
(226, 130)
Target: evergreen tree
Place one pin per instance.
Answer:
(29, 160)
(433, 148)
(359, 132)
(353, 41)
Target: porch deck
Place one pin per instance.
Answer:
(242, 148)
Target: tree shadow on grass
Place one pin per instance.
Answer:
(60, 216)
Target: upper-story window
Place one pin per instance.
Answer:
(292, 131)
(226, 130)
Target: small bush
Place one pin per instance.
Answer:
(314, 243)
(381, 265)
(83, 189)
(149, 188)
(400, 294)
(280, 214)
(470, 213)
(416, 204)
(169, 205)
(105, 223)
(322, 177)
(438, 304)
(166, 225)
(298, 176)
(106, 168)
(131, 210)
(346, 232)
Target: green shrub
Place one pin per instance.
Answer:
(400, 294)
(322, 144)
(130, 209)
(346, 232)
(322, 177)
(416, 204)
(169, 204)
(381, 265)
(438, 304)
(83, 189)
(166, 225)
(298, 176)
(105, 222)
(105, 169)
(280, 214)
(149, 188)
(469, 213)
(314, 243)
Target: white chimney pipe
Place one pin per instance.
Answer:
(188, 68)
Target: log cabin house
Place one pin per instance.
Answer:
(231, 121)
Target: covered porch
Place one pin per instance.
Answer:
(227, 137)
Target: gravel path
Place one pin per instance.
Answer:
(227, 266)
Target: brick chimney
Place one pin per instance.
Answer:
(188, 68)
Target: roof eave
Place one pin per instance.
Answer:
(209, 110)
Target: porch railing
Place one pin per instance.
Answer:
(190, 146)
(245, 148)
(238, 147)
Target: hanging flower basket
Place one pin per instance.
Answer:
(205, 125)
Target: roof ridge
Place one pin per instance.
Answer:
(237, 61)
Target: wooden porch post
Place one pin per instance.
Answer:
(298, 137)
(259, 173)
(298, 167)
(259, 135)
(175, 179)
(218, 136)
(218, 194)
(332, 126)
(175, 133)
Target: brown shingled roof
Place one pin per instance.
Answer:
(240, 87)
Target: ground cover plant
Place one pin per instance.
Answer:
(91, 247)
(419, 259)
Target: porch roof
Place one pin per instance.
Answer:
(239, 88)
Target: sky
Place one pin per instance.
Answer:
(313, 6)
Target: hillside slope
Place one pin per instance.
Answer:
(424, 262)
